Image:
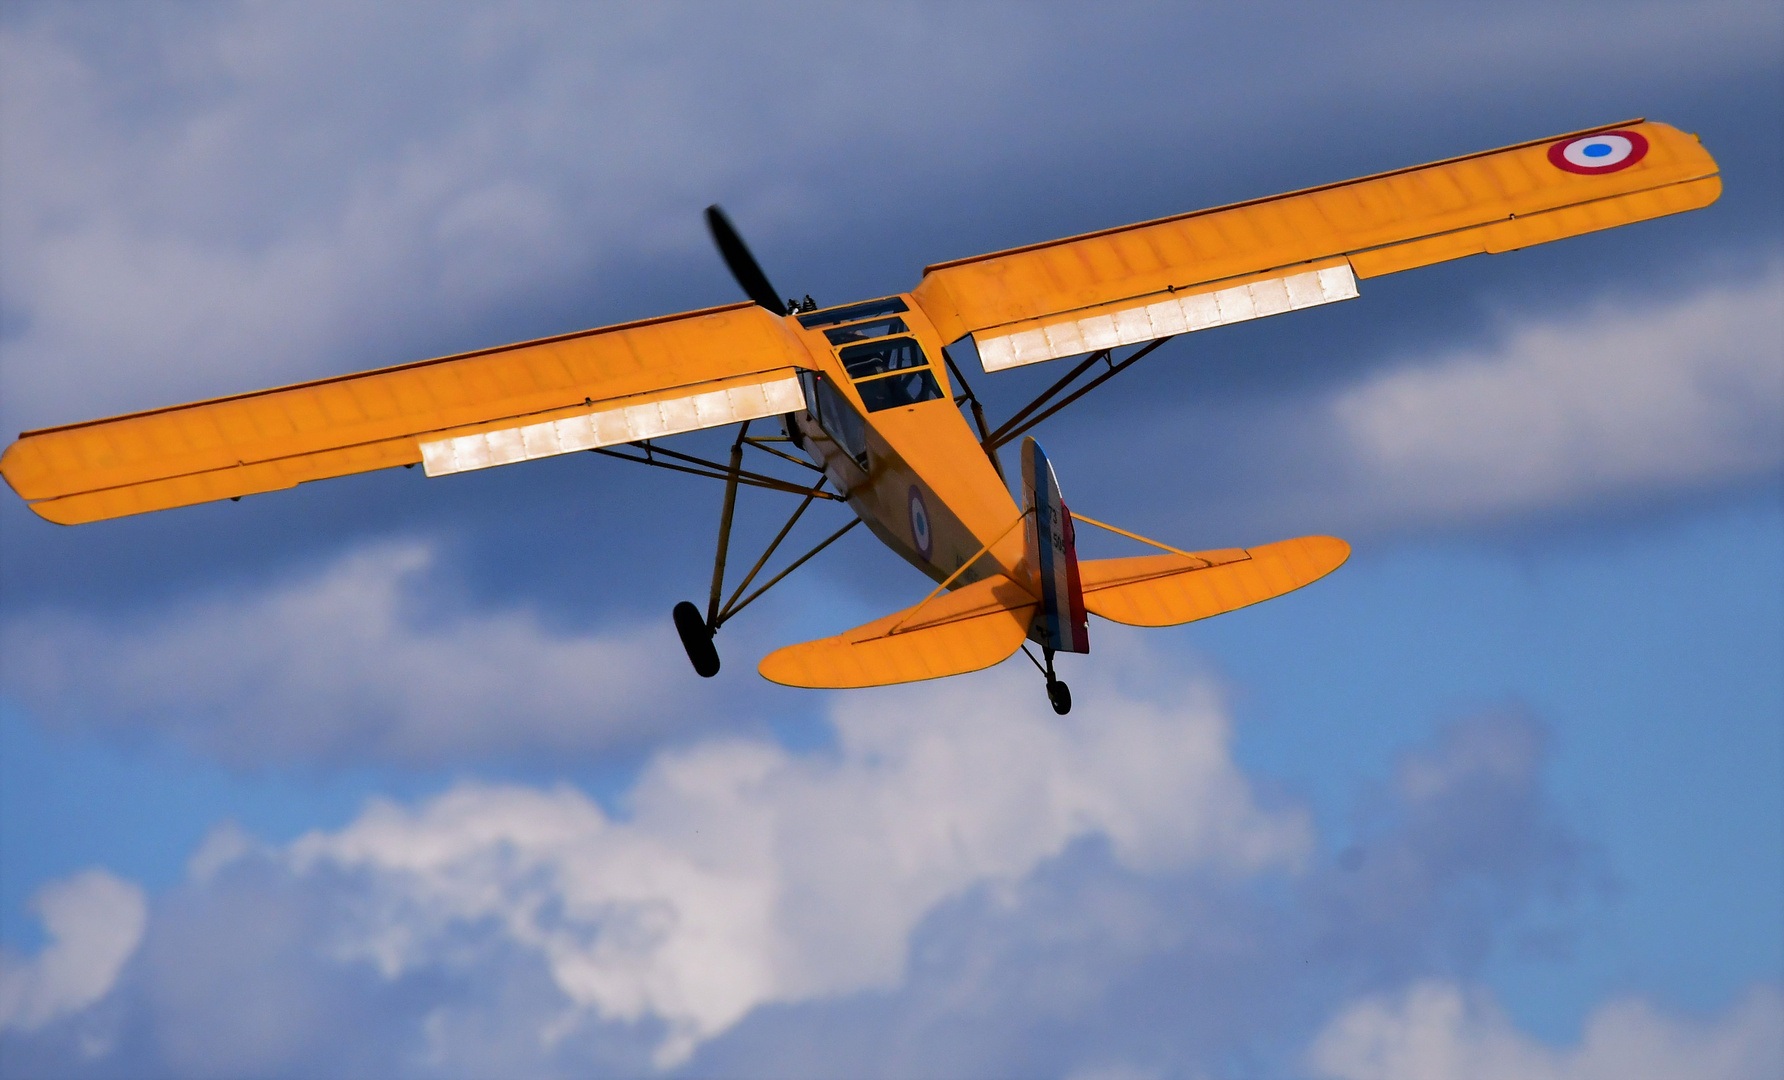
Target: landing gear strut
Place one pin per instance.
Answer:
(697, 627)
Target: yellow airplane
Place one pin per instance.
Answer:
(871, 395)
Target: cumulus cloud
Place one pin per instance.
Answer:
(1091, 965)
(95, 922)
(962, 884)
(1439, 1031)
(745, 876)
(347, 662)
(1614, 400)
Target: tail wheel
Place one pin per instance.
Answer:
(696, 638)
(1061, 696)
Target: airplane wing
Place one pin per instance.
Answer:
(534, 399)
(1212, 267)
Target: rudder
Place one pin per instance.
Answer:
(1061, 624)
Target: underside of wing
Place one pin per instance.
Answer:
(1167, 590)
(576, 392)
(971, 628)
(1212, 267)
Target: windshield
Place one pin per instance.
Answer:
(891, 305)
(867, 330)
(901, 388)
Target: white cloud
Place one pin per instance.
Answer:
(963, 884)
(95, 922)
(746, 876)
(1438, 1031)
(341, 663)
(1614, 400)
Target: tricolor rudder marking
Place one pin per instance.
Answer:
(1605, 152)
(1062, 623)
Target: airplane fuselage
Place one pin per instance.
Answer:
(882, 422)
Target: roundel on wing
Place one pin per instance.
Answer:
(920, 532)
(1604, 152)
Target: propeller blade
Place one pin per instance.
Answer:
(743, 265)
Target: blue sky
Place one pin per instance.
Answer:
(401, 776)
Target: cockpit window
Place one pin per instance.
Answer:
(837, 417)
(870, 309)
(866, 331)
(880, 357)
(902, 388)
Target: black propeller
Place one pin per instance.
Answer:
(743, 265)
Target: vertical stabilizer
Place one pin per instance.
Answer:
(1061, 624)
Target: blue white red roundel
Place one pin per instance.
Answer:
(1604, 152)
(920, 534)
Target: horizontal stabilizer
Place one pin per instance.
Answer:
(971, 628)
(1166, 590)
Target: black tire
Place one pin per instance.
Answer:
(696, 639)
(1061, 696)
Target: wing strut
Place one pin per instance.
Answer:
(724, 547)
(716, 471)
(1020, 424)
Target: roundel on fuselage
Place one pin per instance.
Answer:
(920, 532)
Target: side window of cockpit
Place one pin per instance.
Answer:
(836, 416)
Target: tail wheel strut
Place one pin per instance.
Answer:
(1059, 695)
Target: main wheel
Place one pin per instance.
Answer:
(696, 639)
(1061, 696)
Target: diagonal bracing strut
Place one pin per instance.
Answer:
(736, 476)
(1021, 423)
